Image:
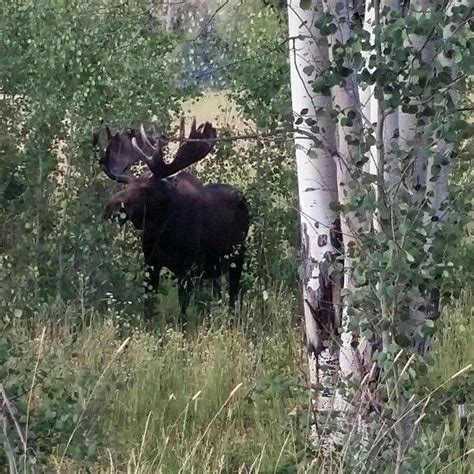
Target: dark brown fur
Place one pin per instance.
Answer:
(190, 228)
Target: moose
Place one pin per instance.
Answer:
(190, 228)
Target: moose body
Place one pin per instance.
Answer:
(192, 229)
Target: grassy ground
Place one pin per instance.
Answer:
(214, 398)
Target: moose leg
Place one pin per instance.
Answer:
(152, 281)
(216, 288)
(185, 287)
(235, 272)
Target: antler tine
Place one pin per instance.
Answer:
(145, 138)
(193, 125)
(147, 158)
(181, 128)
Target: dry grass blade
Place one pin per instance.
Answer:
(33, 380)
(117, 353)
(416, 405)
(11, 412)
(190, 455)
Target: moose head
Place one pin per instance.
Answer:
(190, 228)
(151, 191)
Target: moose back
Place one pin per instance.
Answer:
(192, 229)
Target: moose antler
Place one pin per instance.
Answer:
(201, 141)
(200, 144)
(125, 148)
(154, 161)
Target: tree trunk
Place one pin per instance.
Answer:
(329, 166)
(390, 133)
(412, 136)
(355, 351)
(317, 187)
(171, 15)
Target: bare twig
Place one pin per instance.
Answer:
(6, 445)
(6, 403)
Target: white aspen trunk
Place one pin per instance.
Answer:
(382, 161)
(413, 141)
(412, 135)
(439, 165)
(317, 187)
(368, 102)
(367, 95)
(437, 182)
(434, 170)
(392, 170)
(354, 358)
(171, 13)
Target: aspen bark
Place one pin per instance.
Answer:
(414, 142)
(368, 102)
(354, 358)
(391, 165)
(317, 189)
(171, 13)
(411, 134)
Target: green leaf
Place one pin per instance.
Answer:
(402, 340)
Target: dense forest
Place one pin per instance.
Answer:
(350, 346)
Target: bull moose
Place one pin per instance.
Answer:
(192, 229)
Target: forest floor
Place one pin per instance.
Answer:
(214, 397)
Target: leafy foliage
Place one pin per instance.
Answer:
(64, 69)
(257, 54)
(402, 259)
(66, 66)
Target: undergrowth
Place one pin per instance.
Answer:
(212, 397)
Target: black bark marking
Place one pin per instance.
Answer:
(335, 235)
(322, 240)
(321, 303)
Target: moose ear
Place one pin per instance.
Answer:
(109, 133)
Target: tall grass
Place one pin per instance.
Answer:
(219, 395)
(214, 397)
